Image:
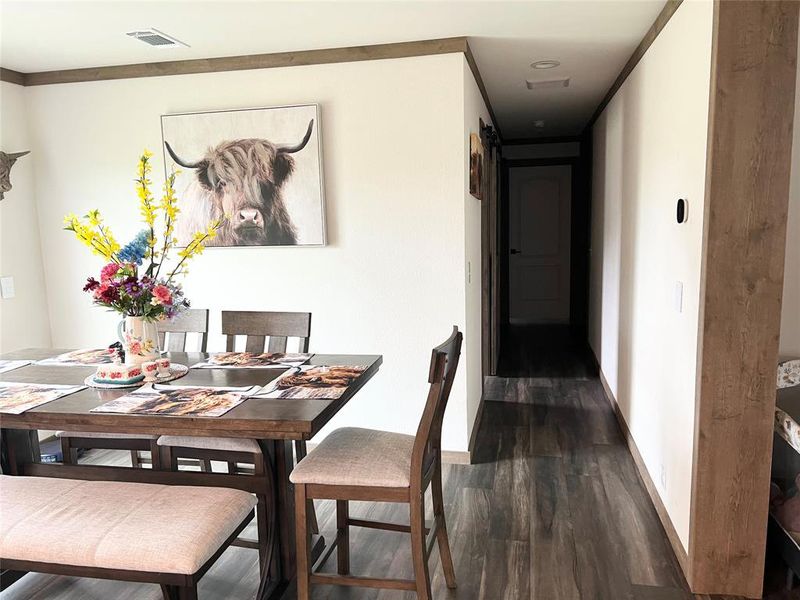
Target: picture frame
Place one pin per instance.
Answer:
(258, 169)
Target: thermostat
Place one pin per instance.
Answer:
(682, 212)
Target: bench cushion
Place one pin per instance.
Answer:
(117, 525)
(361, 457)
(211, 443)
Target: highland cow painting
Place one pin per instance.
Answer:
(259, 169)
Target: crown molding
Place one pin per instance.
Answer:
(259, 61)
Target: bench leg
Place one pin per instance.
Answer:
(187, 593)
(172, 592)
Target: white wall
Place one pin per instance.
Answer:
(649, 150)
(790, 315)
(24, 321)
(392, 279)
(474, 110)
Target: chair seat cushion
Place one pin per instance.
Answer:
(105, 436)
(360, 457)
(211, 443)
(116, 525)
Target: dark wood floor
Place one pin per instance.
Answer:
(553, 510)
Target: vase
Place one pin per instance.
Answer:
(139, 340)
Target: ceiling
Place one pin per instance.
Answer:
(591, 38)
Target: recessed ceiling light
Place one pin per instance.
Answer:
(538, 124)
(545, 64)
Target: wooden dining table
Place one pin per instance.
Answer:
(274, 423)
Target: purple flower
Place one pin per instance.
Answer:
(132, 287)
(91, 284)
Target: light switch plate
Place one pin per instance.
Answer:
(679, 296)
(7, 287)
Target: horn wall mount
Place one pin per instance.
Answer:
(7, 161)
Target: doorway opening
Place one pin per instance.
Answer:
(543, 262)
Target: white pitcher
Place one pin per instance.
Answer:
(139, 339)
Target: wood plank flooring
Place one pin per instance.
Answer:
(553, 510)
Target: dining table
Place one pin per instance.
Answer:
(274, 423)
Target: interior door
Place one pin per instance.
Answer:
(539, 241)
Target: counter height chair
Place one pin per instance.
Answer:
(263, 330)
(171, 336)
(268, 331)
(364, 464)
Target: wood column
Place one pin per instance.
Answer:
(751, 113)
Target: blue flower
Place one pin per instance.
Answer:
(135, 251)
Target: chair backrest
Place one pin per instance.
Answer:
(259, 325)
(428, 442)
(193, 320)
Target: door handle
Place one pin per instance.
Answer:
(515, 251)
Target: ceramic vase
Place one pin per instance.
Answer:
(139, 339)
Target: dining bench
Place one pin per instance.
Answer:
(140, 532)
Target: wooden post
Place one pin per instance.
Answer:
(751, 113)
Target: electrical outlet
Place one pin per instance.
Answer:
(663, 478)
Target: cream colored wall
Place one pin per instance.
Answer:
(24, 320)
(790, 321)
(649, 150)
(392, 279)
(474, 110)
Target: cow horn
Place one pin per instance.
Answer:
(15, 155)
(182, 162)
(302, 144)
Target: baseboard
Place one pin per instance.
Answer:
(473, 437)
(644, 475)
(453, 457)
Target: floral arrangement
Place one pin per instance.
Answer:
(135, 281)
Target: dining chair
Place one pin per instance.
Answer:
(263, 330)
(171, 336)
(369, 465)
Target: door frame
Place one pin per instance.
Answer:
(580, 219)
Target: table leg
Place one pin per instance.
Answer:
(278, 577)
(18, 448)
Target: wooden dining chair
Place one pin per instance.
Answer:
(268, 331)
(365, 464)
(172, 334)
(263, 330)
(193, 321)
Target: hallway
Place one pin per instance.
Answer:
(554, 510)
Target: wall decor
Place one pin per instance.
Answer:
(475, 165)
(260, 169)
(6, 162)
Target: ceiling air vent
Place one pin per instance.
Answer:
(156, 38)
(547, 84)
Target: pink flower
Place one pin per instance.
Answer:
(162, 294)
(108, 271)
(135, 347)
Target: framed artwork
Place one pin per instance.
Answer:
(260, 169)
(475, 166)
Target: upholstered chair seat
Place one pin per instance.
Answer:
(117, 525)
(360, 457)
(211, 443)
